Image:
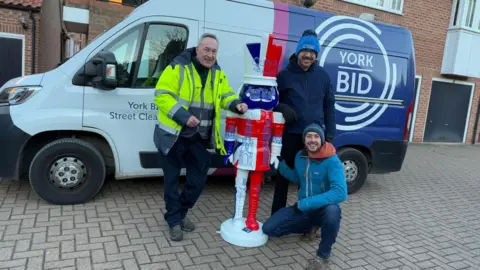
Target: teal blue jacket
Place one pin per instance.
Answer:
(322, 181)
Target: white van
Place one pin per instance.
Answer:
(65, 131)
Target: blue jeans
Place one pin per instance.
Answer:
(192, 152)
(287, 221)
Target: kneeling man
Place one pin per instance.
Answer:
(319, 173)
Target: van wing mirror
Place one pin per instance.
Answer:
(99, 72)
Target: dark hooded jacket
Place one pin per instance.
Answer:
(310, 94)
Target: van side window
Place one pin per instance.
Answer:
(163, 43)
(126, 50)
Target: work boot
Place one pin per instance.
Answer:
(187, 225)
(318, 264)
(176, 233)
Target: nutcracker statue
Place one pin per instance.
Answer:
(253, 140)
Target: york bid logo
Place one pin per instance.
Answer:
(360, 76)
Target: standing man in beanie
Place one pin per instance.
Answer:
(319, 173)
(306, 96)
(190, 95)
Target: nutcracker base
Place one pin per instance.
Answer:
(236, 233)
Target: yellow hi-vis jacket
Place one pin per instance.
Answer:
(180, 94)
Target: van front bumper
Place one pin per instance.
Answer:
(12, 140)
(387, 156)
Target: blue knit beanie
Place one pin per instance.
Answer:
(308, 41)
(314, 128)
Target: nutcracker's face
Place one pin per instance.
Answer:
(259, 97)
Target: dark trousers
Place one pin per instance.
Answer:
(193, 152)
(288, 221)
(292, 143)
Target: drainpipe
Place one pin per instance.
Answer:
(34, 39)
(91, 4)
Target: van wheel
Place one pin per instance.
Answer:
(67, 171)
(355, 166)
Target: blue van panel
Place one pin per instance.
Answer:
(369, 76)
(395, 39)
(372, 68)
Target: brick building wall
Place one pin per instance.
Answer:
(10, 23)
(429, 21)
(103, 15)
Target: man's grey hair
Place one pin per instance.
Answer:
(209, 35)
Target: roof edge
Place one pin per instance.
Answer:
(20, 7)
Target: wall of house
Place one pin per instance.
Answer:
(429, 21)
(10, 23)
(103, 15)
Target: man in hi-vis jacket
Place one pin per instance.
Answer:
(190, 95)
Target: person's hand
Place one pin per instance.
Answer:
(242, 107)
(274, 161)
(289, 114)
(193, 121)
(228, 158)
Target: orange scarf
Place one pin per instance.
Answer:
(327, 150)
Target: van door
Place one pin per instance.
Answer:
(128, 114)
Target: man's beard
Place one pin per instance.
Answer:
(305, 64)
(316, 148)
(305, 58)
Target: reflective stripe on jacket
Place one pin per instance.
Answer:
(180, 94)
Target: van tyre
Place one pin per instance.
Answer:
(67, 171)
(356, 168)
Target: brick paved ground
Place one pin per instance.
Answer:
(426, 217)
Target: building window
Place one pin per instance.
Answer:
(470, 12)
(466, 15)
(393, 6)
(455, 16)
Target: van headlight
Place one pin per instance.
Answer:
(18, 95)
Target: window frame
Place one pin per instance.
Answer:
(415, 108)
(138, 61)
(142, 26)
(386, 6)
(141, 31)
(458, 17)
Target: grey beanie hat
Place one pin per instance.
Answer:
(314, 128)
